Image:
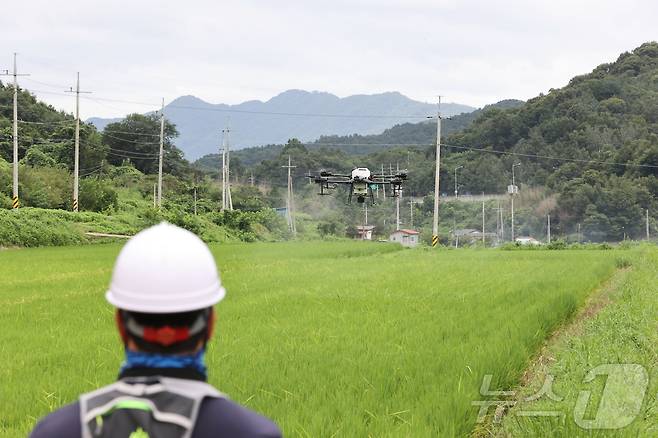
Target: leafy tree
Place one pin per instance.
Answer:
(137, 139)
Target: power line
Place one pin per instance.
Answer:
(519, 154)
(47, 123)
(95, 170)
(133, 157)
(548, 157)
(136, 153)
(131, 133)
(129, 141)
(59, 87)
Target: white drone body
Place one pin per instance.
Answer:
(361, 182)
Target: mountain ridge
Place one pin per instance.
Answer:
(293, 113)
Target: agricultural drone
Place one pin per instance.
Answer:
(362, 183)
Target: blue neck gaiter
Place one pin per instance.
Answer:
(136, 359)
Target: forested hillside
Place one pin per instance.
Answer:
(604, 128)
(357, 144)
(118, 170)
(591, 146)
(587, 154)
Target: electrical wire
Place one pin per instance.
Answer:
(89, 173)
(548, 157)
(105, 131)
(47, 84)
(327, 115)
(134, 158)
(137, 154)
(47, 123)
(519, 154)
(130, 141)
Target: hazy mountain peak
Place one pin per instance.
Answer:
(188, 100)
(306, 115)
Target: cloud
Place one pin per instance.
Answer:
(472, 52)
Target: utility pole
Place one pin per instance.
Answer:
(484, 242)
(435, 221)
(579, 238)
(513, 193)
(155, 195)
(226, 174)
(223, 150)
(227, 201)
(76, 160)
(15, 202)
(383, 185)
(251, 179)
(161, 155)
(289, 199)
(397, 210)
(498, 233)
(647, 224)
(411, 213)
(456, 186)
(228, 169)
(548, 234)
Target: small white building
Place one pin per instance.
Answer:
(364, 232)
(405, 237)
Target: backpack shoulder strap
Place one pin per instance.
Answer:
(166, 400)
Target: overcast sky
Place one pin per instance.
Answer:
(473, 52)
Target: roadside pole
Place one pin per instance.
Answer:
(15, 202)
(435, 220)
(76, 159)
(161, 155)
(484, 242)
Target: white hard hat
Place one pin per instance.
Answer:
(165, 269)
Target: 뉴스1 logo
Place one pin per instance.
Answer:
(620, 402)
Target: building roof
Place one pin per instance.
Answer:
(406, 231)
(365, 227)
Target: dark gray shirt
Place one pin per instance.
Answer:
(218, 417)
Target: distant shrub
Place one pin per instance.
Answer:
(34, 227)
(557, 245)
(45, 187)
(97, 195)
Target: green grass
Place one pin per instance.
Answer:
(328, 339)
(625, 331)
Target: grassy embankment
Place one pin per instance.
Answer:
(331, 339)
(617, 326)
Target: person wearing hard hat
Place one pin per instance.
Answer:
(164, 285)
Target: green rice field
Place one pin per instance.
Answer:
(336, 339)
